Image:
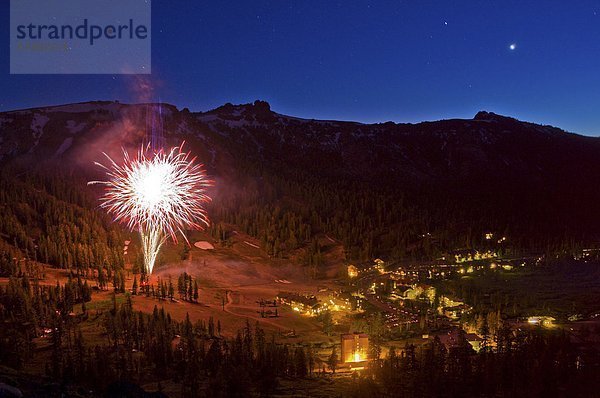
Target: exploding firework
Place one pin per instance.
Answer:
(157, 193)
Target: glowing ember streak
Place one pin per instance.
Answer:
(159, 194)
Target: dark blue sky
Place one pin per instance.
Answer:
(404, 61)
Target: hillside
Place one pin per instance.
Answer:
(397, 190)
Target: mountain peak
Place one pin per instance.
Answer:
(257, 107)
(491, 116)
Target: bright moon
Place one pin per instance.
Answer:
(512, 46)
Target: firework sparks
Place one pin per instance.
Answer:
(159, 194)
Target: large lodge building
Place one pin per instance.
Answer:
(355, 347)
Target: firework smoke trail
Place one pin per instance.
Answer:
(159, 194)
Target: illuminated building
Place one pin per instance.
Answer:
(417, 291)
(380, 265)
(355, 347)
(307, 305)
(452, 340)
(545, 321)
(352, 271)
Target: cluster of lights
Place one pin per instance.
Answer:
(476, 257)
(544, 321)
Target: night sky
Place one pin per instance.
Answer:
(365, 61)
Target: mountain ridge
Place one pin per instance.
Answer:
(265, 107)
(471, 174)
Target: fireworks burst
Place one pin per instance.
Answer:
(159, 194)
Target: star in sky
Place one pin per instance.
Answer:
(512, 46)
